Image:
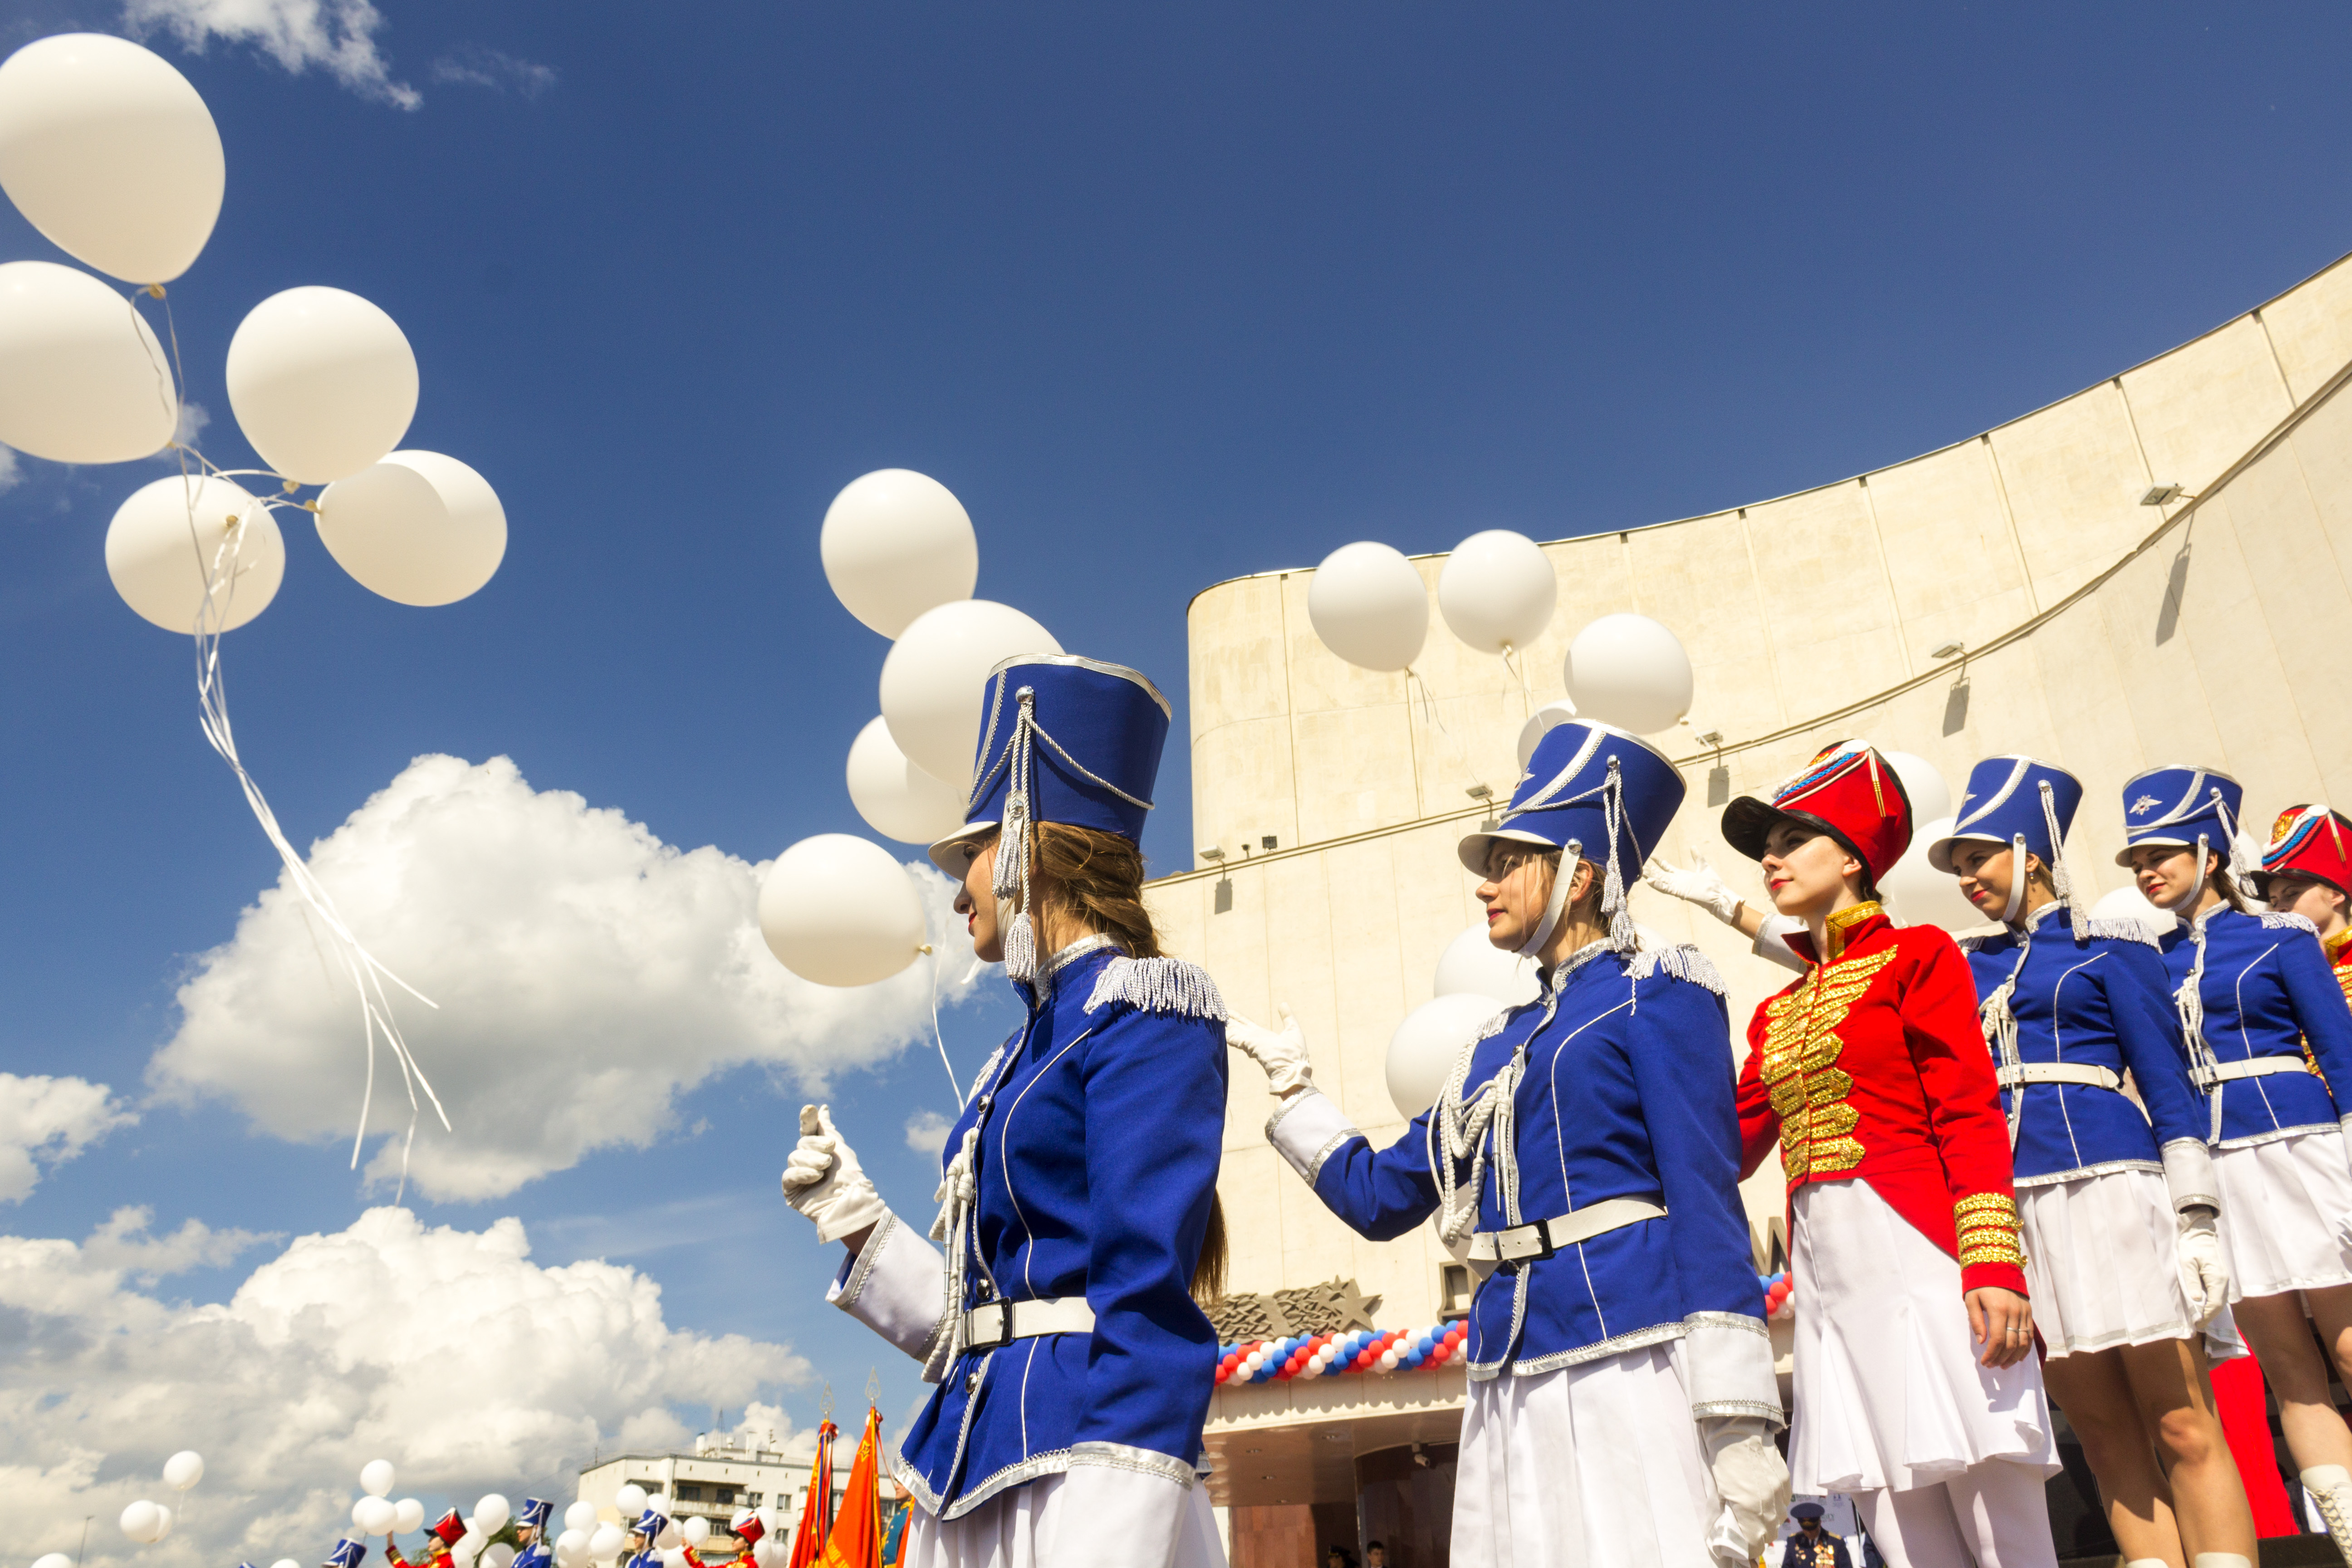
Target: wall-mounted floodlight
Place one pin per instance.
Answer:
(1479, 791)
(1711, 738)
(1268, 842)
(2162, 495)
(1210, 853)
(1948, 651)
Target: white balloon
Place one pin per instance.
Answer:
(1473, 966)
(417, 528)
(281, 1563)
(322, 383)
(186, 1468)
(897, 799)
(469, 1545)
(1629, 672)
(604, 1543)
(490, 1514)
(673, 1558)
(896, 543)
(630, 1499)
(169, 535)
(162, 1521)
(570, 1547)
(933, 677)
(670, 1537)
(1923, 782)
(140, 1522)
(580, 1515)
(1541, 719)
(2128, 903)
(659, 1503)
(374, 1515)
(1423, 1050)
(111, 153)
(837, 909)
(696, 1529)
(768, 1553)
(376, 1476)
(1498, 591)
(82, 378)
(498, 1554)
(407, 1514)
(53, 1559)
(1369, 605)
(1918, 894)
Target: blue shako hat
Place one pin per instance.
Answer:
(1062, 739)
(2025, 805)
(533, 1514)
(1596, 791)
(2197, 807)
(650, 1524)
(347, 1553)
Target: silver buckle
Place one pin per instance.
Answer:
(1508, 1255)
(976, 1337)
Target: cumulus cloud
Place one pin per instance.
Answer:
(446, 1351)
(586, 975)
(47, 1121)
(336, 36)
(927, 1132)
(474, 65)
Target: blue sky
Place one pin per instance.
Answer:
(1165, 295)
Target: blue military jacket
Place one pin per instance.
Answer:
(2100, 1001)
(1096, 1131)
(1627, 1093)
(2265, 990)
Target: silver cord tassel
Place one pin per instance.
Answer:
(2061, 880)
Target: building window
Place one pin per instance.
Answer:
(753, 1499)
(725, 1496)
(1455, 1288)
(690, 1493)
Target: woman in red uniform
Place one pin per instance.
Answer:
(2307, 871)
(1917, 1392)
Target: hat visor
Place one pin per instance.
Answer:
(2124, 855)
(1939, 853)
(954, 852)
(1475, 846)
(1747, 825)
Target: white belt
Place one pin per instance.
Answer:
(994, 1323)
(1544, 1236)
(2060, 1072)
(2252, 1066)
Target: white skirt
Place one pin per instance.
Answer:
(1888, 1391)
(1022, 1528)
(2280, 1202)
(1594, 1465)
(2102, 1263)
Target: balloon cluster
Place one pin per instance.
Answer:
(900, 554)
(1475, 980)
(1372, 1350)
(145, 1522)
(1778, 1288)
(1496, 592)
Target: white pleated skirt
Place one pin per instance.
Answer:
(2279, 1202)
(1598, 1466)
(1888, 1391)
(1026, 1527)
(2102, 1261)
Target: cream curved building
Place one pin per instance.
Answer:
(2157, 569)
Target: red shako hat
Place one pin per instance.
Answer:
(746, 1527)
(1849, 791)
(2311, 841)
(449, 1527)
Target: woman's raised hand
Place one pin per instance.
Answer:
(1282, 1055)
(824, 1180)
(1694, 884)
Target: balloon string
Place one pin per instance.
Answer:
(220, 577)
(941, 1039)
(1435, 719)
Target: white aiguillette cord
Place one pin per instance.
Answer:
(367, 974)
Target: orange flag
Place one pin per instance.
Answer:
(857, 1534)
(816, 1509)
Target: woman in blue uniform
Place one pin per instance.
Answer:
(1622, 1395)
(1074, 1366)
(2121, 1287)
(2254, 992)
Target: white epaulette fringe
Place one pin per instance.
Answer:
(2122, 928)
(1159, 986)
(1683, 962)
(2278, 919)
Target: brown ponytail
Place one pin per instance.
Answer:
(1094, 882)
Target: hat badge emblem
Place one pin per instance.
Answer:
(2145, 803)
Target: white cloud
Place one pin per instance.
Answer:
(336, 36)
(586, 973)
(446, 1351)
(474, 65)
(47, 1121)
(927, 1132)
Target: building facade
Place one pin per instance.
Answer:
(2155, 570)
(724, 1473)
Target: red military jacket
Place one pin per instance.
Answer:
(1874, 1066)
(438, 1554)
(2339, 953)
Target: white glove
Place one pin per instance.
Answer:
(824, 1180)
(1697, 884)
(2204, 1275)
(1282, 1055)
(1751, 1479)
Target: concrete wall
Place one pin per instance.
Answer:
(2102, 634)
